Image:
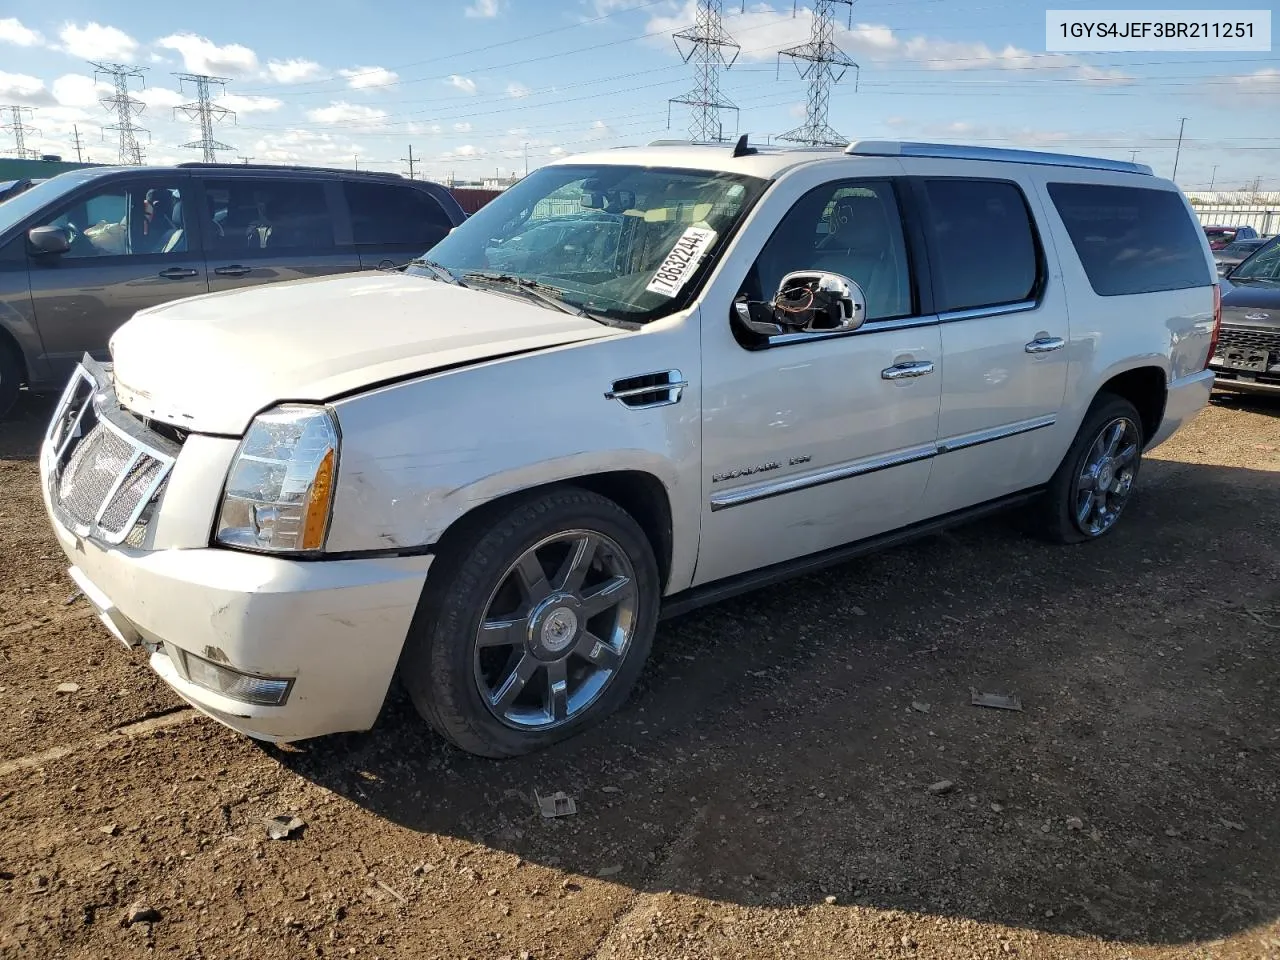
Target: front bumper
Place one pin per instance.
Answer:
(334, 628)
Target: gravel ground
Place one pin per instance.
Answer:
(771, 790)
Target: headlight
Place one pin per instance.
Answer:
(280, 487)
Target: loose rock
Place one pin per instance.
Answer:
(141, 912)
(283, 826)
(67, 688)
(1075, 823)
(941, 787)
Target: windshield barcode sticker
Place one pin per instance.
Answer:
(681, 261)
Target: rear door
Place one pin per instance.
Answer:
(132, 247)
(264, 229)
(392, 223)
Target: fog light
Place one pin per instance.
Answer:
(269, 691)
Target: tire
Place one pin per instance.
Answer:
(457, 685)
(10, 373)
(1056, 515)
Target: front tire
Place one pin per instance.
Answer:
(534, 625)
(1090, 489)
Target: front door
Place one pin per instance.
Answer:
(1004, 339)
(131, 248)
(268, 229)
(811, 440)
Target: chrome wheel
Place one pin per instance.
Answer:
(555, 630)
(1106, 477)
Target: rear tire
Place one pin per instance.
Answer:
(1091, 487)
(10, 372)
(534, 625)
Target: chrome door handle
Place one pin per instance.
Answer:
(178, 273)
(1045, 345)
(233, 271)
(900, 371)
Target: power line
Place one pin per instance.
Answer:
(20, 131)
(708, 40)
(823, 58)
(206, 111)
(125, 107)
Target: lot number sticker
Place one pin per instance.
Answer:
(681, 261)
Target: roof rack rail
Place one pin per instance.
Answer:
(956, 151)
(288, 166)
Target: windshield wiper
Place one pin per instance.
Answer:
(438, 271)
(544, 293)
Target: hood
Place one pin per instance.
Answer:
(1251, 303)
(210, 363)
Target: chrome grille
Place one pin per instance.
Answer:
(104, 469)
(1252, 338)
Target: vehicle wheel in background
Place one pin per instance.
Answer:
(534, 625)
(1090, 489)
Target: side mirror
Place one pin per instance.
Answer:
(807, 301)
(48, 240)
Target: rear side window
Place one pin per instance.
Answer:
(1131, 239)
(267, 215)
(982, 245)
(384, 213)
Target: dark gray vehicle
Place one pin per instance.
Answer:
(1247, 357)
(1235, 253)
(82, 252)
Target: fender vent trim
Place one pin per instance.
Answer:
(647, 390)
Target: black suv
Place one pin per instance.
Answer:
(83, 251)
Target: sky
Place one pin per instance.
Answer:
(481, 87)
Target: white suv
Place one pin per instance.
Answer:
(735, 364)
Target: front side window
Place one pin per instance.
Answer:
(1263, 265)
(849, 227)
(1132, 239)
(627, 242)
(393, 214)
(982, 246)
(128, 219)
(251, 216)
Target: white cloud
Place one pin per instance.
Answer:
(201, 55)
(517, 90)
(483, 8)
(359, 78)
(557, 151)
(13, 31)
(159, 98)
(241, 103)
(463, 127)
(77, 90)
(1266, 80)
(436, 128)
(24, 90)
(467, 150)
(292, 71)
(599, 131)
(465, 84)
(342, 112)
(94, 41)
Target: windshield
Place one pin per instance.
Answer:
(18, 208)
(1263, 265)
(627, 242)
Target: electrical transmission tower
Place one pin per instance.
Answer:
(206, 111)
(708, 40)
(125, 108)
(823, 64)
(20, 131)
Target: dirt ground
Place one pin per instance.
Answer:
(765, 793)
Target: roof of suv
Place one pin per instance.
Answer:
(250, 168)
(769, 161)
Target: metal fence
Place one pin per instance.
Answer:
(1266, 220)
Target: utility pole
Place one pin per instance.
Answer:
(356, 160)
(244, 160)
(410, 161)
(708, 40)
(824, 58)
(1213, 177)
(1133, 156)
(526, 158)
(20, 131)
(79, 156)
(1177, 153)
(205, 111)
(124, 106)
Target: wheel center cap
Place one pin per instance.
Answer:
(1106, 474)
(559, 629)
